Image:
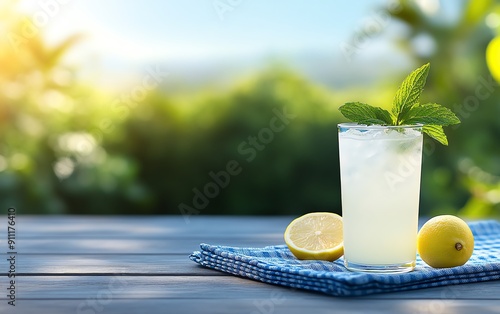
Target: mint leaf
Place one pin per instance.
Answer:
(433, 114)
(436, 132)
(408, 94)
(406, 109)
(365, 114)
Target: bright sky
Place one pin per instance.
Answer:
(127, 33)
(205, 28)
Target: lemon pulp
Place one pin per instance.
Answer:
(317, 236)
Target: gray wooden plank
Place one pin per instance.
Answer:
(105, 227)
(126, 264)
(274, 303)
(120, 286)
(205, 287)
(178, 245)
(179, 264)
(134, 227)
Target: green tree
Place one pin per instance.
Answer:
(461, 80)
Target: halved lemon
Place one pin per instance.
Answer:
(316, 236)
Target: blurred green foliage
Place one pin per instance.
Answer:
(69, 148)
(466, 175)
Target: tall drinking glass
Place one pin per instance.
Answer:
(380, 182)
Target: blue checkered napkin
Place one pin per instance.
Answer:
(277, 265)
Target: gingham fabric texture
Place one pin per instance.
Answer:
(276, 265)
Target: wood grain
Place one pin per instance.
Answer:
(269, 305)
(122, 286)
(92, 264)
(135, 264)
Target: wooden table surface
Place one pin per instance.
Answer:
(140, 264)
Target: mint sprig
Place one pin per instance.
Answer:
(433, 114)
(366, 114)
(406, 109)
(436, 132)
(408, 94)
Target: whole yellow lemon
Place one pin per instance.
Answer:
(445, 241)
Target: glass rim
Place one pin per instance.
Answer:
(354, 125)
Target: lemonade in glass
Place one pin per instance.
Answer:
(380, 170)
